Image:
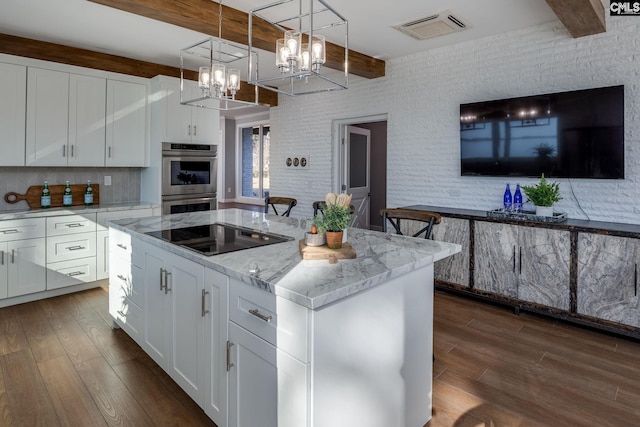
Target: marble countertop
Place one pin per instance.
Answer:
(279, 268)
(73, 210)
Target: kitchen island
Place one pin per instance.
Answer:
(261, 337)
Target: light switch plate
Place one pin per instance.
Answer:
(107, 180)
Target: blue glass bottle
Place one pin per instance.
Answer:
(517, 199)
(507, 199)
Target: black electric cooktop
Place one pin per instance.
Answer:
(218, 238)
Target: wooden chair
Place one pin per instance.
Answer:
(394, 215)
(321, 204)
(284, 201)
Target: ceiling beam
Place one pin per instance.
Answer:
(202, 16)
(19, 46)
(581, 17)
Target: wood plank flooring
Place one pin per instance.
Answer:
(61, 364)
(494, 368)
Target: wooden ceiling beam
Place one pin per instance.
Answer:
(580, 17)
(19, 46)
(202, 16)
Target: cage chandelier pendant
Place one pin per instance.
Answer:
(303, 27)
(218, 63)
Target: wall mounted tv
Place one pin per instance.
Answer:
(577, 134)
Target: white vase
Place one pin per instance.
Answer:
(544, 210)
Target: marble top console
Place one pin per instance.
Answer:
(279, 268)
(613, 228)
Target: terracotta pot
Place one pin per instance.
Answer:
(334, 239)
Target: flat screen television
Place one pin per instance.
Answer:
(577, 134)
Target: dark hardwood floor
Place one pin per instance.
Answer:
(494, 368)
(62, 365)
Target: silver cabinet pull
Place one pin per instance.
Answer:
(189, 130)
(166, 282)
(121, 277)
(75, 248)
(11, 231)
(72, 151)
(64, 151)
(109, 155)
(120, 245)
(229, 364)
(75, 273)
(121, 313)
(195, 127)
(161, 276)
(13, 256)
(520, 261)
(259, 315)
(74, 225)
(2, 252)
(203, 310)
(514, 258)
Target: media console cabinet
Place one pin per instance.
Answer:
(585, 272)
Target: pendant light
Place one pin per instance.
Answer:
(300, 54)
(218, 63)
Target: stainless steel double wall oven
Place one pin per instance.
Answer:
(189, 177)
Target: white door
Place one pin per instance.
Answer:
(357, 173)
(215, 313)
(27, 272)
(13, 87)
(186, 283)
(157, 311)
(47, 117)
(126, 124)
(87, 112)
(253, 381)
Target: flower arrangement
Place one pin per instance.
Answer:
(336, 214)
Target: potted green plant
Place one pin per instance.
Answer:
(334, 220)
(543, 195)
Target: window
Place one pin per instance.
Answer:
(254, 162)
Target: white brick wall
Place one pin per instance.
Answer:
(421, 95)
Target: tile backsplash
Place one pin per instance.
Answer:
(125, 182)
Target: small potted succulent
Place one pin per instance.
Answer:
(543, 195)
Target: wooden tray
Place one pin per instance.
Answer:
(323, 252)
(32, 196)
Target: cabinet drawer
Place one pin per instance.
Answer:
(276, 320)
(73, 272)
(63, 248)
(119, 243)
(103, 217)
(126, 314)
(20, 229)
(70, 224)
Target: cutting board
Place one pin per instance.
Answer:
(32, 196)
(323, 252)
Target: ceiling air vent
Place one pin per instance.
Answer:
(434, 25)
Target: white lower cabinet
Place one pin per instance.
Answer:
(23, 262)
(22, 256)
(185, 326)
(267, 387)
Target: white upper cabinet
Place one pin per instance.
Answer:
(87, 112)
(13, 89)
(65, 119)
(126, 124)
(184, 123)
(47, 117)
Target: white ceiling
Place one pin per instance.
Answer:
(83, 24)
